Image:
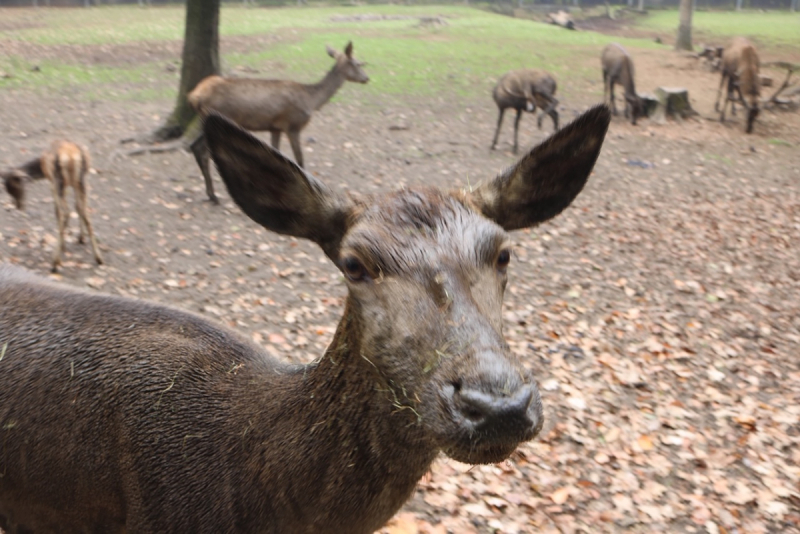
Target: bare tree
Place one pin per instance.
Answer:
(200, 59)
(684, 40)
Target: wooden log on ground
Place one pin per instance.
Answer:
(562, 18)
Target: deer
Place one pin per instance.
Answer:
(120, 415)
(277, 106)
(618, 69)
(740, 66)
(525, 89)
(64, 165)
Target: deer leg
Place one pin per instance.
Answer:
(202, 156)
(550, 110)
(516, 130)
(719, 92)
(80, 207)
(62, 214)
(276, 139)
(497, 130)
(611, 96)
(294, 140)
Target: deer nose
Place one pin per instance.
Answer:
(499, 414)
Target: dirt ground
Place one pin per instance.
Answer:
(659, 312)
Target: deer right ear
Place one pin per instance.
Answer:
(546, 180)
(331, 52)
(273, 190)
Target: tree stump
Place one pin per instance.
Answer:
(672, 102)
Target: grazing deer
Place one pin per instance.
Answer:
(65, 165)
(274, 105)
(618, 69)
(739, 66)
(118, 415)
(524, 89)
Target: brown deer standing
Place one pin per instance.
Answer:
(273, 105)
(65, 165)
(618, 69)
(740, 66)
(524, 89)
(118, 415)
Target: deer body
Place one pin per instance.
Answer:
(277, 106)
(65, 165)
(525, 89)
(739, 67)
(118, 415)
(618, 69)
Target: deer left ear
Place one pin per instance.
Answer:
(348, 50)
(331, 52)
(546, 180)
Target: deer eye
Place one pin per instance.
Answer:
(353, 269)
(503, 259)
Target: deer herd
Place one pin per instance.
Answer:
(118, 415)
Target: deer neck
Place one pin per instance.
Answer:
(350, 457)
(322, 91)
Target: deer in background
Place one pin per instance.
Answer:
(277, 106)
(740, 66)
(525, 89)
(65, 165)
(119, 415)
(618, 69)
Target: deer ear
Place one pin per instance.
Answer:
(348, 50)
(273, 190)
(546, 180)
(331, 52)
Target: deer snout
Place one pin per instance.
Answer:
(503, 409)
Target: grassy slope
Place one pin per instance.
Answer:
(461, 59)
(772, 28)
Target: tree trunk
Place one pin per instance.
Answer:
(684, 41)
(200, 59)
(641, 5)
(738, 5)
(795, 5)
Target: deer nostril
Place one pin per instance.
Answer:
(503, 413)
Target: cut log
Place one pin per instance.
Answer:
(563, 19)
(672, 102)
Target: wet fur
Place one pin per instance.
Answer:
(119, 415)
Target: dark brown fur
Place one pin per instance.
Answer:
(618, 69)
(277, 106)
(525, 89)
(65, 166)
(740, 66)
(118, 415)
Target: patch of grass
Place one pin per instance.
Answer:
(773, 27)
(463, 58)
(86, 82)
(778, 142)
(721, 159)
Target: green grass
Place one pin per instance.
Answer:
(772, 28)
(463, 58)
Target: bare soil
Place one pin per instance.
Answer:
(660, 311)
